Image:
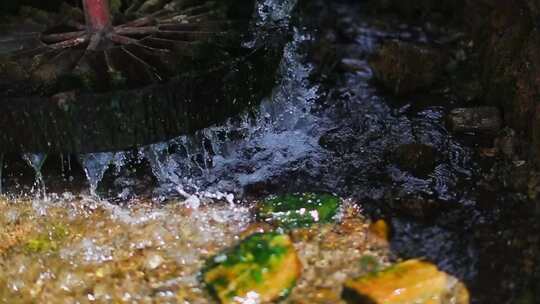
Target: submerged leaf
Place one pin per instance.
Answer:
(410, 282)
(263, 267)
(299, 210)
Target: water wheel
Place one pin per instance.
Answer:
(99, 75)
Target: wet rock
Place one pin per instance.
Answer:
(262, 268)
(418, 159)
(339, 140)
(414, 8)
(379, 233)
(299, 210)
(415, 206)
(484, 120)
(380, 229)
(413, 281)
(536, 135)
(467, 87)
(518, 176)
(352, 65)
(10, 69)
(506, 143)
(404, 68)
(534, 187)
(505, 34)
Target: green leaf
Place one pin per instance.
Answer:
(299, 210)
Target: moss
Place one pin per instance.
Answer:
(40, 244)
(264, 263)
(49, 240)
(299, 210)
(369, 264)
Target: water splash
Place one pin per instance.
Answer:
(165, 170)
(36, 161)
(247, 148)
(95, 165)
(275, 11)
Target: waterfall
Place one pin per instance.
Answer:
(95, 165)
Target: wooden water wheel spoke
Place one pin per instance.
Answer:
(183, 47)
(133, 7)
(60, 64)
(75, 24)
(150, 6)
(22, 44)
(69, 43)
(120, 39)
(162, 60)
(138, 31)
(207, 16)
(53, 38)
(184, 35)
(157, 51)
(94, 41)
(213, 26)
(147, 20)
(198, 9)
(39, 50)
(150, 69)
(128, 67)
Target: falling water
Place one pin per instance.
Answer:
(36, 161)
(95, 165)
(253, 145)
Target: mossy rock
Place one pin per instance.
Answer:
(409, 282)
(418, 159)
(264, 267)
(299, 210)
(404, 68)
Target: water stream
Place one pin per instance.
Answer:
(36, 161)
(304, 136)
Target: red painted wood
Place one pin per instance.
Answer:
(98, 16)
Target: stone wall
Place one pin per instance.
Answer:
(507, 36)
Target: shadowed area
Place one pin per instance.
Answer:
(158, 70)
